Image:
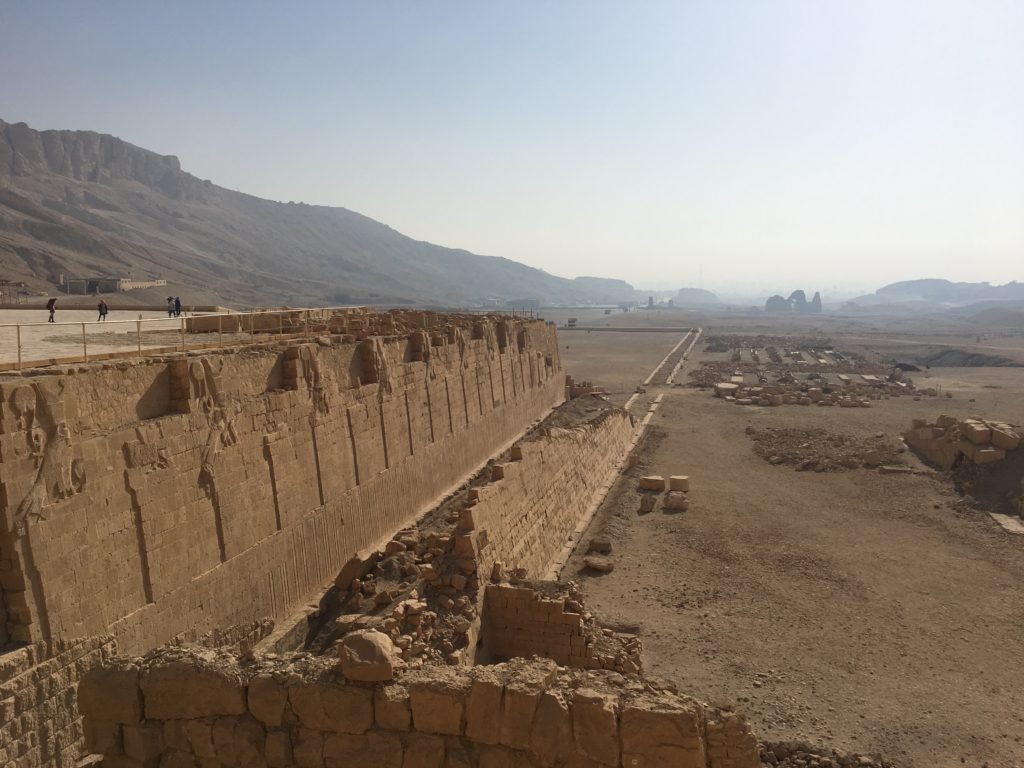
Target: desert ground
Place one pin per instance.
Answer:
(868, 612)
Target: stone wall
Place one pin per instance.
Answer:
(185, 708)
(541, 620)
(147, 498)
(39, 722)
(524, 518)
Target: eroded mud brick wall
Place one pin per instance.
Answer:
(180, 708)
(149, 497)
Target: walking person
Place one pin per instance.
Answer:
(52, 306)
(102, 307)
(170, 306)
(177, 307)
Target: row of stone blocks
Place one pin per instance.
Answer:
(182, 707)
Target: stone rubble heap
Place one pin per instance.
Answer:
(850, 394)
(819, 450)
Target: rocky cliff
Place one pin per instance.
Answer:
(84, 204)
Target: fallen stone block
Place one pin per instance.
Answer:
(1005, 437)
(368, 656)
(679, 483)
(652, 483)
(975, 432)
(647, 503)
(600, 545)
(598, 563)
(676, 501)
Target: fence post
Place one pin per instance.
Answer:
(138, 336)
(220, 330)
(182, 330)
(252, 328)
(18, 327)
(85, 346)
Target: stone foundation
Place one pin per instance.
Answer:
(185, 708)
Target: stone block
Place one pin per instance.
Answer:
(438, 705)
(308, 750)
(975, 431)
(483, 707)
(676, 501)
(142, 741)
(391, 707)
(111, 694)
(424, 751)
(652, 483)
(381, 750)
(1005, 438)
(267, 698)
(595, 726)
(679, 483)
(185, 691)
(551, 739)
(657, 733)
(334, 708)
(368, 656)
(278, 749)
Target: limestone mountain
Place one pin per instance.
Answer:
(84, 204)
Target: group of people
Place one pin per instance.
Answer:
(173, 308)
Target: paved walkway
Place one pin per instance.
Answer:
(44, 341)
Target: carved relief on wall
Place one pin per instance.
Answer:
(39, 411)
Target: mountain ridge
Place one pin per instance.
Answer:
(82, 203)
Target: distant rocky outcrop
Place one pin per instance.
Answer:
(797, 302)
(695, 297)
(82, 204)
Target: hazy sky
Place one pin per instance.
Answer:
(778, 144)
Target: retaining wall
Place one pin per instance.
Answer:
(145, 498)
(180, 708)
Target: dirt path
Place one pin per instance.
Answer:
(853, 609)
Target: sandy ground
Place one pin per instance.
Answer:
(857, 610)
(613, 359)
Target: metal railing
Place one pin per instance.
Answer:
(232, 329)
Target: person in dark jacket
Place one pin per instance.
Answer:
(103, 309)
(52, 306)
(177, 307)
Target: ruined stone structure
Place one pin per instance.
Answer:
(176, 496)
(186, 708)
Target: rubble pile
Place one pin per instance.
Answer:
(819, 450)
(852, 392)
(798, 754)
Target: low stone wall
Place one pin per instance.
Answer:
(524, 621)
(39, 723)
(181, 708)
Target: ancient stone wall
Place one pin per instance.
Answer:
(540, 620)
(184, 708)
(202, 492)
(39, 722)
(172, 497)
(524, 518)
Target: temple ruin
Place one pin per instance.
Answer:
(324, 549)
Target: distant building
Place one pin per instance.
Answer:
(90, 285)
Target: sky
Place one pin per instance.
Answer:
(735, 145)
